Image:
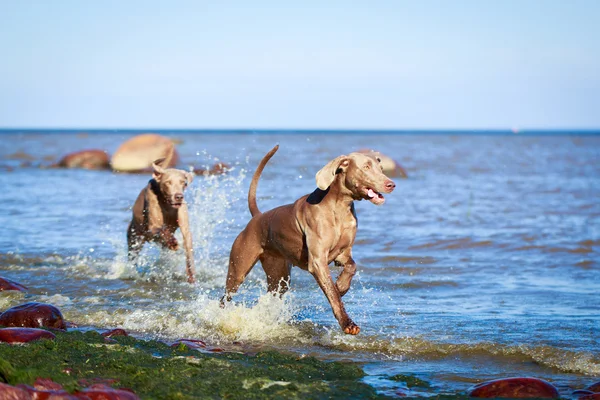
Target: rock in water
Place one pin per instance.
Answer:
(138, 153)
(7, 284)
(115, 332)
(390, 167)
(33, 315)
(86, 159)
(515, 388)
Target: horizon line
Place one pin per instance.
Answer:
(514, 130)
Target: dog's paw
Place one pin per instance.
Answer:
(351, 328)
(224, 300)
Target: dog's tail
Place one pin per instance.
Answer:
(165, 162)
(252, 191)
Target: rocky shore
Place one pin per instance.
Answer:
(42, 356)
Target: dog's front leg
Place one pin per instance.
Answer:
(183, 221)
(345, 278)
(317, 266)
(134, 243)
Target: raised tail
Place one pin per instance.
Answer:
(252, 191)
(165, 162)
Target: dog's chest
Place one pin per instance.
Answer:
(345, 232)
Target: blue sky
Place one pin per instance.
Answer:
(307, 64)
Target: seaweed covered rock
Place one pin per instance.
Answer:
(7, 284)
(33, 315)
(138, 153)
(515, 388)
(24, 335)
(86, 159)
(89, 368)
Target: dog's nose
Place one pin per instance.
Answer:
(178, 197)
(390, 185)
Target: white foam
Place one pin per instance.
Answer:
(269, 319)
(57, 300)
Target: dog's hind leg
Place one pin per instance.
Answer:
(277, 270)
(244, 254)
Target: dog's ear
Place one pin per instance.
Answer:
(157, 169)
(326, 175)
(189, 176)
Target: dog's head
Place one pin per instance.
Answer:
(360, 174)
(172, 182)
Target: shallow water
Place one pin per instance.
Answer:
(482, 264)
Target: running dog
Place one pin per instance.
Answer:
(317, 229)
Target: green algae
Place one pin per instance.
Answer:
(410, 381)
(156, 371)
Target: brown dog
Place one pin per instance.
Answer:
(316, 230)
(159, 210)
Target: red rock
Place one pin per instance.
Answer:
(24, 335)
(515, 388)
(115, 332)
(8, 392)
(46, 389)
(138, 153)
(7, 284)
(46, 384)
(594, 387)
(591, 396)
(191, 343)
(586, 395)
(87, 159)
(103, 392)
(390, 167)
(33, 315)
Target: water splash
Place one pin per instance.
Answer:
(267, 320)
(210, 201)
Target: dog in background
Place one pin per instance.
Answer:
(314, 231)
(159, 210)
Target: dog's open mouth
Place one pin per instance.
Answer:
(373, 196)
(176, 205)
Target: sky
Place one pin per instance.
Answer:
(422, 64)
